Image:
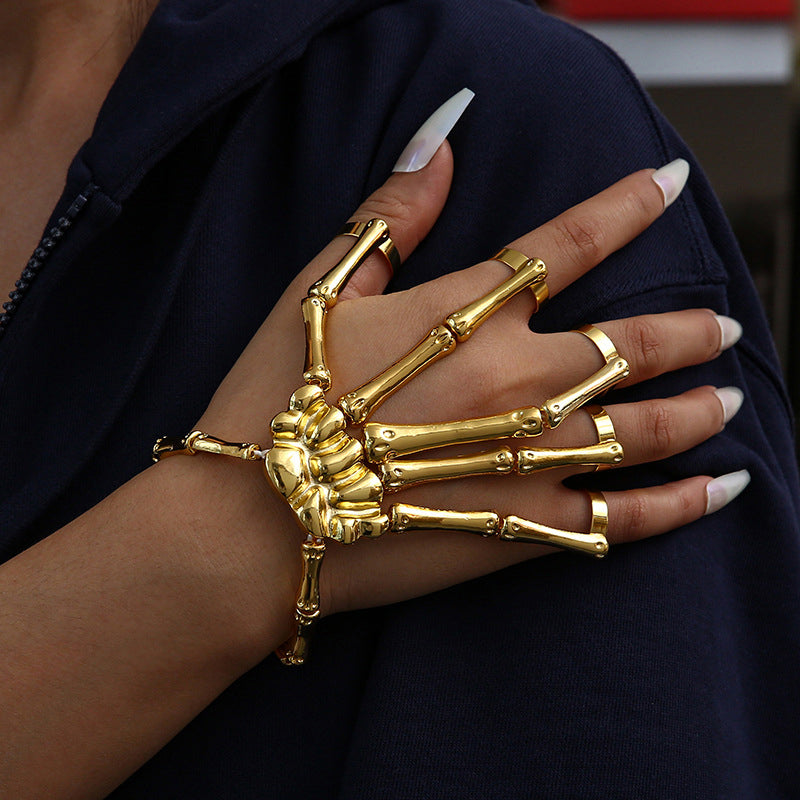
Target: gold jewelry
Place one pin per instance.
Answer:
(615, 369)
(605, 454)
(322, 472)
(592, 543)
(386, 246)
(516, 260)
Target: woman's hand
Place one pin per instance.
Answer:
(122, 626)
(502, 367)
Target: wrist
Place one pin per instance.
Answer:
(240, 545)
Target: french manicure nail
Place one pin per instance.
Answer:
(720, 491)
(731, 331)
(731, 398)
(428, 139)
(671, 179)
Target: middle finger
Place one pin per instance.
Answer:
(652, 344)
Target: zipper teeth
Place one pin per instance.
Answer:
(40, 256)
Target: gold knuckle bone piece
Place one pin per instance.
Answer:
(615, 369)
(516, 260)
(336, 485)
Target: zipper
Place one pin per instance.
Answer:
(40, 255)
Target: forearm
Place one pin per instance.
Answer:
(119, 628)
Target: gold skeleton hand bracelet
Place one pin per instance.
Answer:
(335, 484)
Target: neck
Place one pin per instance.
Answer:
(52, 47)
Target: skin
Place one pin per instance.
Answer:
(58, 59)
(119, 628)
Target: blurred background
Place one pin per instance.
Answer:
(723, 72)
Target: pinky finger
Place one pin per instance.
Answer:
(639, 513)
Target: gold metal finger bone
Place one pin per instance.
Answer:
(405, 518)
(606, 453)
(467, 320)
(616, 368)
(516, 529)
(361, 402)
(398, 474)
(391, 441)
(373, 234)
(457, 327)
(322, 296)
(516, 260)
(385, 245)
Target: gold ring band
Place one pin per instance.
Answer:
(601, 341)
(516, 260)
(387, 246)
(599, 513)
(605, 434)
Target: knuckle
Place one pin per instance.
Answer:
(661, 429)
(634, 517)
(645, 205)
(581, 238)
(394, 210)
(685, 502)
(646, 346)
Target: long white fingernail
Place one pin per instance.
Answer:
(671, 179)
(731, 398)
(720, 491)
(428, 139)
(731, 331)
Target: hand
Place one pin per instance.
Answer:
(170, 588)
(502, 367)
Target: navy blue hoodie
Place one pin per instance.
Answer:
(668, 671)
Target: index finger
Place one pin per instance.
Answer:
(580, 238)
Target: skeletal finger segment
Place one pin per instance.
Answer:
(390, 441)
(323, 295)
(361, 402)
(516, 529)
(467, 320)
(557, 408)
(404, 517)
(516, 260)
(374, 234)
(534, 459)
(399, 474)
(614, 370)
(314, 311)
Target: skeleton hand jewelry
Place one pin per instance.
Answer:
(323, 472)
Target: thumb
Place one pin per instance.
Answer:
(409, 202)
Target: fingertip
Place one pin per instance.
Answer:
(722, 490)
(427, 140)
(671, 178)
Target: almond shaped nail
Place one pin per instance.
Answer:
(730, 329)
(428, 139)
(671, 179)
(720, 491)
(731, 398)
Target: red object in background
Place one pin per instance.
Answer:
(680, 9)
